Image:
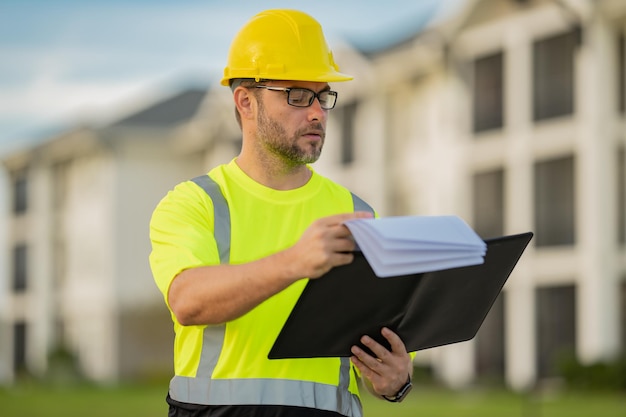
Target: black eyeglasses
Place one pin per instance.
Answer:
(303, 97)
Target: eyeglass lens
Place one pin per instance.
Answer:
(303, 97)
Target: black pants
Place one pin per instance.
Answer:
(178, 409)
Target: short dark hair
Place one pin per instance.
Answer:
(246, 83)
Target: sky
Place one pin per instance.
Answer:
(65, 63)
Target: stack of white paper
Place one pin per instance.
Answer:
(415, 244)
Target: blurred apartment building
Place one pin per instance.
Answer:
(507, 113)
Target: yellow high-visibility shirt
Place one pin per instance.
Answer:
(263, 221)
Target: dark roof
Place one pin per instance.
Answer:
(167, 113)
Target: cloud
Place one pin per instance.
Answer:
(76, 60)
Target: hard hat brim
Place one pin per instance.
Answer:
(334, 78)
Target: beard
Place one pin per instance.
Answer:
(273, 137)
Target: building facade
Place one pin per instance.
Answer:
(77, 279)
(510, 114)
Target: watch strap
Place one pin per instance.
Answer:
(399, 396)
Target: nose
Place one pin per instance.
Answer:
(316, 112)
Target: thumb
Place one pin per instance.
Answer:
(363, 215)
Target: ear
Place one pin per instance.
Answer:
(245, 102)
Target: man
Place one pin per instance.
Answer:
(232, 259)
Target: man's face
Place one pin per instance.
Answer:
(295, 134)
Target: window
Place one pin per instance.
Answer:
(348, 115)
(20, 194)
(553, 76)
(623, 308)
(554, 202)
(621, 195)
(490, 348)
(621, 73)
(19, 268)
(556, 326)
(19, 346)
(488, 194)
(488, 93)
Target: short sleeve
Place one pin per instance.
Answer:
(181, 234)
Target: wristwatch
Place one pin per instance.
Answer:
(401, 393)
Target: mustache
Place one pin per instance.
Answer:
(313, 129)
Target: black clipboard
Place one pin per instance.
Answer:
(427, 310)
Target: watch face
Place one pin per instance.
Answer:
(404, 391)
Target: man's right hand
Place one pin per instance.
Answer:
(220, 293)
(326, 243)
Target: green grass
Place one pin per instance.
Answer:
(35, 400)
(31, 400)
(498, 403)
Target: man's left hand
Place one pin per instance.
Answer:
(387, 371)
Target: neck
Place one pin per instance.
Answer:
(274, 173)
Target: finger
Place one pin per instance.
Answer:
(377, 349)
(339, 230)
(344, 217)
(366, 371)
(342, 237)
(396, 343)
(363, 215)
(342, 258)
(342, 245)
(360, 366)
(372, 362)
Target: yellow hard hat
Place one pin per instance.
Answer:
(282, 45)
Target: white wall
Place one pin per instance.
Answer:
(5, 329)
(145, 172)
(87, 297)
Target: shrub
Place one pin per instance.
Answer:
(609, 375)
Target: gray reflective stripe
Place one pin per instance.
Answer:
(212, 343)
(209, 391)
(221, 217)
(202, 389)
(344, 374)
(360, 205)
(213, 336)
